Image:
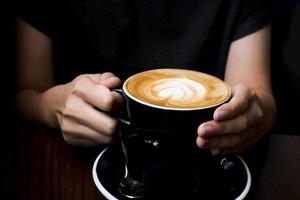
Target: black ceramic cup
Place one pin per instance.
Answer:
(166, 133)
(175, 122)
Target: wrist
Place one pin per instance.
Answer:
(51, 105)
(269, 106)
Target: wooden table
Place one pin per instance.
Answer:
(280, 176)
(45, 167)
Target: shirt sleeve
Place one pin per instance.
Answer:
(253, 16)
(38, 13)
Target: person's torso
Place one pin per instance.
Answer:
(125, 36)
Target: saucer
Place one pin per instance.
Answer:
(108, 170)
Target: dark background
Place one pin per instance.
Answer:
(285, 74)
(286, 64)
(6, 91)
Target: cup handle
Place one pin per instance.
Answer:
(122, 114)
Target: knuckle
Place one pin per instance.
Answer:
(67, 138)
(80, 77)
(108, 74)
(246, 89)
(239, 86)
(252, 93)
(242, 88)
(69, 109)
(260, 115)
(246, 95)
(108, 102)
(79, 85)
(111, 127)
(66, 130)
(106, 140)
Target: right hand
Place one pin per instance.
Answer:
(84, 116)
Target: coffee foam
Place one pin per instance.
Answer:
(177, 88)
(175, 91)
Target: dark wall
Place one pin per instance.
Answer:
(6, 90)
(286, 63)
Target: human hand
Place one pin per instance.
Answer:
(84, 116)
(236, 125)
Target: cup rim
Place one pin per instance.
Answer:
(174, 108)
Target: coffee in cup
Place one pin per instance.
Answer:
(176, 89)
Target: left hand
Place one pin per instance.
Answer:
(236, 125)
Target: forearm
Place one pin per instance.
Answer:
(40, 107)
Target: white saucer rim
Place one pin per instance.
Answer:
(100, 187)
(249, 181)
(109, 196)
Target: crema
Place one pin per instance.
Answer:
(177, 88)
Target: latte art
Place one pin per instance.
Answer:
(176, 89)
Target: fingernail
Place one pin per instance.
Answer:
(214, 151)
(202, 143)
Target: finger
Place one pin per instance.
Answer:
(232, 126)
(100, 77)
(117, 101)
(219, 142)
(112, 82)
(225, 141)
(107, 79)
(232, 144)
(97, 95)
(85, 114)
(74, 133)
(106, 75)
(241, 100)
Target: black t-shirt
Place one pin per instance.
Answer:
(127, 36)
